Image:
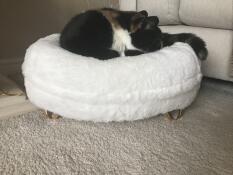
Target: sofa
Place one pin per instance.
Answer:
(212, 20)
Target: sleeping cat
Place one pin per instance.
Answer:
(108, 33)
(103, 33)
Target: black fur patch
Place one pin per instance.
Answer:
(89, 34)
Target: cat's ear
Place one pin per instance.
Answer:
(144, 13)
(140, 15)
(150, 22)
(155, 19)
(136, 22)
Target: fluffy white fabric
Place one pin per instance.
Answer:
(125, 88)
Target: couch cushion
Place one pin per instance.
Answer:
(128, 5)
(207, 13)
(166, 10)
(219, 45)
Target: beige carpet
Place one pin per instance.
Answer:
(201, 143)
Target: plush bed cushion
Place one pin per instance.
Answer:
(127, 88)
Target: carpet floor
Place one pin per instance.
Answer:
(199, 143)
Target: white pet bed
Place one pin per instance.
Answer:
(127, 88)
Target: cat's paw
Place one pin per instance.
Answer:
(133, 52)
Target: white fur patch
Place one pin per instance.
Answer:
(122, 41)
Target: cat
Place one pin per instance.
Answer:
(103, 33)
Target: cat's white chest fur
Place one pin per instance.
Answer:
(122, 41)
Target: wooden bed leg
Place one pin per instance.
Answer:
(174, 115)
(51, 115)
(48, 114)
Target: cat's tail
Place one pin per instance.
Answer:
(198, 45)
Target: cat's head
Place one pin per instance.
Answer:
(131, 20)
(151, 22)
(141, 21)
(137, 20)
(149, 36)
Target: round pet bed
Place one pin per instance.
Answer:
(124, 88)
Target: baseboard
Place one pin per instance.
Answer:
(14, 104)
(10, 66)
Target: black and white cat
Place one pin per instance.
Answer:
(108, 33)
(103, 33)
